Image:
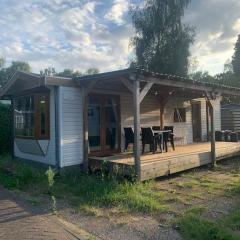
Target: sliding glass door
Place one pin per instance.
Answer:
(104, 124)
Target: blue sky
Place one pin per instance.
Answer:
(80, 34)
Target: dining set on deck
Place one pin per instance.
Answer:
(155, 136)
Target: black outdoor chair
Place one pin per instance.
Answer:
(129, 136)
(148, 137)
(233, 137)
(156, 128)
(218, 136)
(168, 137)
(227, 135)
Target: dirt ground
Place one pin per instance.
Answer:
(202, 188)
(205, 187)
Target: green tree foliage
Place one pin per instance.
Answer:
(228, 67)
(161, 41)
(2, 62)
(236, 58)
(5, 128)
(7, 72)
(69, 73)
(91, 71)
(50, 71)
(18, 66)
(203, 76)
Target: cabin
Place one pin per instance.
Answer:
(82, 121)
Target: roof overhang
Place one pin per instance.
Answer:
(25, 82)
(164, 80)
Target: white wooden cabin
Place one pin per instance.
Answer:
(62, 121)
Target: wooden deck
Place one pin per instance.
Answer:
(162, 164)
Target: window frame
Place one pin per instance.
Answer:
(184, 117)
(37, 117)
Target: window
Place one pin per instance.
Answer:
(24, 116)
(31, 116)
(180, 115)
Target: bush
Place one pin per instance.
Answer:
(5, 128)
(16, 174)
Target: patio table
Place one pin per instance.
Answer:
(160, 133)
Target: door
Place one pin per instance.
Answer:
(196, 121)
(104, 124)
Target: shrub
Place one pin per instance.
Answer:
(5, 128)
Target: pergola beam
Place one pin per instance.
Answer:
(189, 85)
(145, 90)
(127, 84)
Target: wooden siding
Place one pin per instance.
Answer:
(49, 158)
(231, 119)
(71, 126)
(150, 116)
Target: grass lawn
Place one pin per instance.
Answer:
(189, 198)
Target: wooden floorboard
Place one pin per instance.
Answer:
(161, 164)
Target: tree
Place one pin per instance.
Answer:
(69, 73)
(7, 73)
(18, 66)
(92, 71)
(236, 58)
(2, 62)
(203, 76)
(228, 67)
(50, 71)
(161, 40)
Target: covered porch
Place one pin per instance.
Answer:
(141, 85)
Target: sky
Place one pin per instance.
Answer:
(80, 34)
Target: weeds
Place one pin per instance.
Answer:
(193, 226)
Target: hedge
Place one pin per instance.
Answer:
(5, 128)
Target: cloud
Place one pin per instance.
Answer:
(117, 11)
(95, 33)
(64, 34)
(217, 26)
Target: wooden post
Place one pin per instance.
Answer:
(207, 119)
(85, 129)
(213, 141)
(136, 106)
(161, 116)
(163, 101)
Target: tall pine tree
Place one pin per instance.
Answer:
(236, 58)
(161, 40)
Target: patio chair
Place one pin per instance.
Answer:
(156, 128)
(129, 136)
(233, 137)
(227, 135)
(218, 136)
(168, 137)
(148, 137)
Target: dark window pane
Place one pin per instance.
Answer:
(24, 116)
(180, 115)
(42, 115)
